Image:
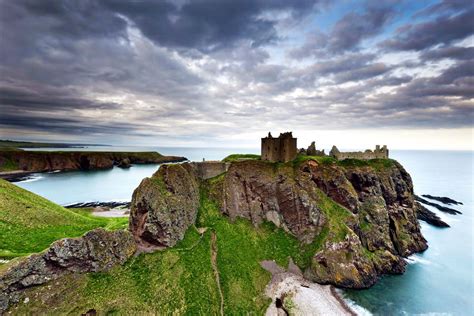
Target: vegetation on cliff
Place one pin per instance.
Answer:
(332, 220)
(180, 279)
(237, 157)
(30, 223)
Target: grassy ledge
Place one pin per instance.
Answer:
(237, 157)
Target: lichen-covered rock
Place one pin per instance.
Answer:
(164, 206)
(98, 250)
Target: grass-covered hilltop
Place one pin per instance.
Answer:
(199, 242)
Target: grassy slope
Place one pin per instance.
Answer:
(30, 223)
(180, 280)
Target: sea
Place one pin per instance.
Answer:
(438, 281)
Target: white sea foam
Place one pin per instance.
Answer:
(359, 310)
(32, 178)
(417, 259)
(91, 201)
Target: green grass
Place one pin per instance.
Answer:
(9, 165)
(236, 157)
(180, 280)
(325, 160)
(377, 164)
(30, 223)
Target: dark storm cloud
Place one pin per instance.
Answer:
(208, 25)
(26, 100)
(444, 29)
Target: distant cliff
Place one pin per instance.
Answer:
(40, 161)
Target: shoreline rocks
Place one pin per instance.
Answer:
(426, 215)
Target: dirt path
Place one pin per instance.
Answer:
(216, 270)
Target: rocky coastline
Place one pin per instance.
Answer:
(18, 164)
(367, 212)
(353, 222)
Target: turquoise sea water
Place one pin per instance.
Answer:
(437, 282)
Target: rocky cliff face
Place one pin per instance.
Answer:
(365, 213)
(98, 250)
(164, 206)
(38, 161)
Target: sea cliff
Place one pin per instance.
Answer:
(360, 217)
(200, 241)
(12, 161)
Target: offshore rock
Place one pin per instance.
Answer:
(442, 199)
(98, 250)
(428, 216)
(164, 206)
(439, 207)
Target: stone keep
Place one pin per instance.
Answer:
(281, 149)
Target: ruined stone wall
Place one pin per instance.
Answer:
(361, 155)
(378, 153)
(209, 169)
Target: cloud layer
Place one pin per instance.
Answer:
(110, 71)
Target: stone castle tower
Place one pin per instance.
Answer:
(280, 149)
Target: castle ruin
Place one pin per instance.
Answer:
(281, 149)
(378, 153)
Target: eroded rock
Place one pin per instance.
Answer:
(164, 206)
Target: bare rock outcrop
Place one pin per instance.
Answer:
(96, 251)
(164, 206)
(374, 227)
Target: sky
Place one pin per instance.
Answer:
(218, 73)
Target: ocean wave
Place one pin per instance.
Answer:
(359, 310)
(95, 201)
(417, 259)
(32, 178)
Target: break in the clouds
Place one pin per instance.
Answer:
(171, 72)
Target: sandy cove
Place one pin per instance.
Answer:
(292, 294)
